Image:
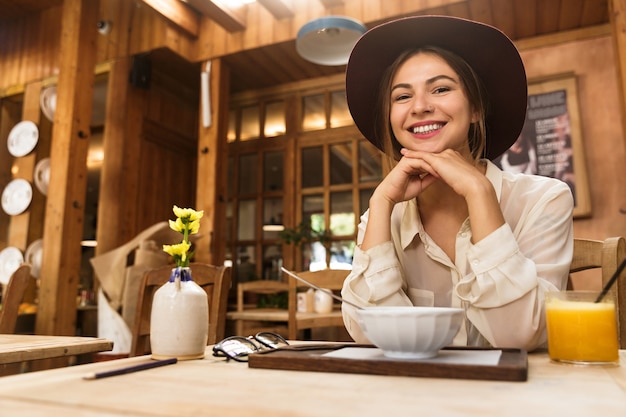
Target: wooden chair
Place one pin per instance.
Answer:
(215, 280)
(331, 279)
(608, 255)
(251, 319)
(13, 297)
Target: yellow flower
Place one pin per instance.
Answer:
(187, 222)
(177, 226)
(194, 226)
(188, 213)
(179, 249)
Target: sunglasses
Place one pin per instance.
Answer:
(238, 348)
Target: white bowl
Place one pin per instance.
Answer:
(410, 332)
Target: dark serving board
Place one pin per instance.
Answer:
(513, 364)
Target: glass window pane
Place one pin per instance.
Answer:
(342, 216)
(250, 125)
(246, 216)
(364, 199)
(273, 171)
(245, 269)
(341, 254)
(314, 254)
(314, 257)
(231, 135)
(370, 162)
(313, 211)
(248, 174)
(274, 119)
(229, 181)
(229, 221)
(313, 112)
(272, 261)
(312, 167)
(341, 163)
(339, 113)
(272, 217)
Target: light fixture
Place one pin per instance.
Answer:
(273, 227)
(329, 40)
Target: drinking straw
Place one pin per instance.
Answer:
(611, 281)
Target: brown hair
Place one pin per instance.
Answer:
(472, 87)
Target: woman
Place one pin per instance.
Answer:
(446, 227)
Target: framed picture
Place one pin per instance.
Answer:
(551, 140)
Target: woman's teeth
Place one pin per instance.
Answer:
(427, 128)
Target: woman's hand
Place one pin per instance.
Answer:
(405, 181)
(467, 180)
(452, 168)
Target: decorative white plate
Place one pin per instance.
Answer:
(16, 196)
(10, 259)
(23, 138)
(41, 176)
(33, 256)
(48, 102)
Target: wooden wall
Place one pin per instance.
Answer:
(592, 61)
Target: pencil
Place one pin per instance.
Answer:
(129, 369)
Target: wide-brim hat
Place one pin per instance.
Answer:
(491, 54)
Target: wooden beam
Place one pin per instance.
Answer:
(212, 166)
(231, 19)
(575, 35)
(110, 226)
(178, 13)
(23, 168)
(65, 209)
(280, 9)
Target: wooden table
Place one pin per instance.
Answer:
(215, 387)
(15, 348)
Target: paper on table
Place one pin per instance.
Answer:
(457, 357)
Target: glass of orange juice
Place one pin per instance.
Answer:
(581, 330)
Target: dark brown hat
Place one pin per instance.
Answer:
(491, 54)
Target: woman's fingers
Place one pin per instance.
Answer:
(449, 166)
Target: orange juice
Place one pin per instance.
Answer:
(579, 329)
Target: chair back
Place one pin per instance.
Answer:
(260, 287)
(331, 279)
(215, 280)
(13, 297)
(608, 255)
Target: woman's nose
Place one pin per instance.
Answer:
(421, 104)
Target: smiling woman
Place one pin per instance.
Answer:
(446, 227)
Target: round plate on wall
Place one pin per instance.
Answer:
(33, 256)
(41, 176)
(48, 102)
(16, 196)
(23, 138)
(10, 259)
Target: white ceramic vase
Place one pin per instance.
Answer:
(180, 318)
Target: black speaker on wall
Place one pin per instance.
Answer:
(141, 71)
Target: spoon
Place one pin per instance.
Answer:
(315, 287)
(611, 281)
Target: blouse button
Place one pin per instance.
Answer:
(475, 262)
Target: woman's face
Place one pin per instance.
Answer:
(429, 109)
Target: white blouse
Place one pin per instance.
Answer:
(500, 281)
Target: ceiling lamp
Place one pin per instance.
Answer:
(329, 40)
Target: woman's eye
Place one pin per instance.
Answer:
(440, 90)
(401, 97)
